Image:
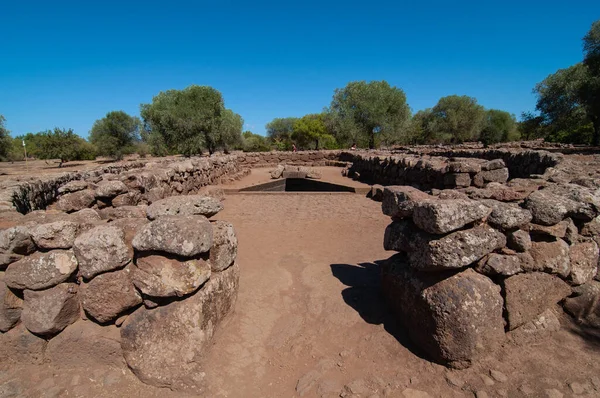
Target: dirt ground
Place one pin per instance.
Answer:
(310, 321)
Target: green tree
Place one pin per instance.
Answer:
(531, 126)
(310, 129)
(5, 140)
(590, 88)
(254, 143)
(499, 126)
(59, 144)
(115, 134)
(280, 130)
(188, 120)
(420, 130)
(457, 119)
(364, 111)
(230, 130)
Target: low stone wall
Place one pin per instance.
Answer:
(274, 158)
(164, 274)
(469, 273)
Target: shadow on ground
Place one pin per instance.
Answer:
(364, 295)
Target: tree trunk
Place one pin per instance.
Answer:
(317, 144)
(372, 140)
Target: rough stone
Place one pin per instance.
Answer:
(541, 326)
(519, 240)
(110, 189)
(452, 318)
(127, 199)
(16, 240)
(497, 175)
(115, 213)
(185, 236)
(163, 344)
(224, 249)
(73, 186)
(584, 262)
(507, 216)
(162, 276)
(464, 166)
(277, 172)
(76, 201)
(19, 346)
(213, 192)
(101, 249)
(499, 264)
(41, 270)
(49, 311)
(457, 179)
(184, 206)
(551, 257)
(376, 192)
(443, 216)
(108, 295)
(583, 305)
(558, 231)
(6, 259)
(528, 295)
(399, 201)
(10, 308)
(56, 235)
(493, 165)
(86, 344)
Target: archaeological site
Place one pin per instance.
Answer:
(433, 271)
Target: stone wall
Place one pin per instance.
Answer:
(304, 158)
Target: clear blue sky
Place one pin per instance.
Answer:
(67, 64)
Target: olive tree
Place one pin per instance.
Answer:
(115, 134)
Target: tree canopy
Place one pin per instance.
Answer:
(115, 134)
(5, 140)
(279, 132)
(310, 130)
(457, 118)
(61, 144)
(498, 126)
(362, 112)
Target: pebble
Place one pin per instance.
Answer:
(454, 380)
(487, 380)
(577, 388)
(481, 394)
(554, 393)
(498, 376)
(306, 382)
(411, 393)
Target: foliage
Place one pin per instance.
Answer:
(361, 112)
(279, 132)
(115, 134)
(230, 131)
(59, 144)
(499, 126)
(456, 119)
(5, 140)
(254, 143)
(311, 129)
(531, 127)
(187, 120)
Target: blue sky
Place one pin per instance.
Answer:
(67, 64)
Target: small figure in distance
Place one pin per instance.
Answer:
(353, 147)
(294, 149)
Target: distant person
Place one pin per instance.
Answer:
(294, 149)
(353, 147)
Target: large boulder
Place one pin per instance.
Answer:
(456, 250)
(184, 206)
(41, 270)
(507, 216)
(10, 308)
(165, 344)
(453, 318)
(101, 249)
(584, 305)
(551, 257)
(584, 262)
(399, 200)
(127, 199)
(277, 172)
(56, 235)
(47, 312)
(166, 276)
(528, 295)
(108, 295)
(19, 346)
(184, 236)
(76, 201)
(16, 240)
(443, 216)
(552, 204)
(110, 189)
(224, 249)
(73, 186)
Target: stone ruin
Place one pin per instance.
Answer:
(124, 263)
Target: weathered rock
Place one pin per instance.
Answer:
(41, 270)
(127, 199)
(558, 230)
(376, 192)
(583, 203)
(224, 249)
(56, 235)
(7, 258)
(584, 262)
(399, 201)
(76, 201)
(162, 276)
(464, 166)
(184, 206)
(49, 311)
(449, 194)
(519, 240)
(16, 240)
(455, 250)
(10, 308)
(19, 346)
(399, 236)
(453, 319)
(277, 172)
(572, 232)
(496, 175)
(499, 264)
(506, 216)
(115, 213)
(110, 189)
(155, 194)
(556, 202)
(73, 186)
(443, 216)
(108, 295)
(528, 295)
(184, 236)
(551, 257)
(164, 344)
(583, 305)
(212, 192)
(493, 165)
(85, 345)
(457, 179)
(542, 325)
(101, 249)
